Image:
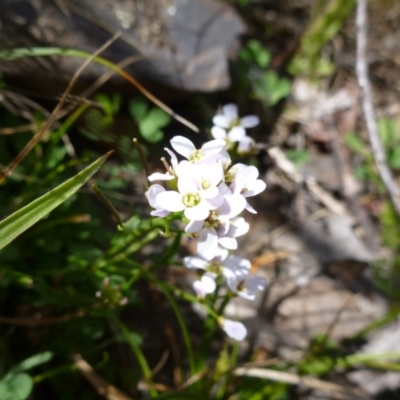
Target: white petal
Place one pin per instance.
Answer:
(224, 189)
(249, 173)
(209, 284)
(234, 329)
(159, 213)
(218, 133)
(197, 213)
(194, 226)
(170, 200)
(222, 254)
(158, 176)
(214, 146)
(174, 160)
(204, 286)
(228, 242)
(250, 121)
(210, 193)
(194, 263)
(224, 226)
(246, 145)
(186, 183)
(152, 193)
(230, 110)
(240, 267)
(221, 121)
(183, 146)
(207, 246)
(255, 188)
(232, 206)
(250, 209)
(255, 284)
(236, 134)
(238, 227)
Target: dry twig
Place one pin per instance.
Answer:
(335, 391)
(102, 387)
(368, 107)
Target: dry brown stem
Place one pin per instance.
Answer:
(368, 107)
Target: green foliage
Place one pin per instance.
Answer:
(256, 389)
(16, 384)
(243, 3)
(327, 19)
(266, 86)
(298, 157)
(21, 220)
(150, 121)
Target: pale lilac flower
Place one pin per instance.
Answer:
(234, 329)
(209, 152)
(206, 176)
(151, 194)
(205, 285)
(248, 287)
(221, 226)
(245, 182)
(194, 202)
(246, 145)
(228, 126)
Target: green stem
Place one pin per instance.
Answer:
(146, 371)
(182, 325)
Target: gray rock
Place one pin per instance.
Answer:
(185, 44)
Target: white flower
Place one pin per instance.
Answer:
(206, 176)
(205, 285)
(228, 126)
(221, 226)
(151, 194)
(234, 329)
(196, 203)
(209, 152)
(245, 182)
(246, 145)
(248, 287)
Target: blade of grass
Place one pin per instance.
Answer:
(18, 222)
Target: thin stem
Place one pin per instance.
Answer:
(108, 204)
(142, 156)
(378, 150)
(146, 371)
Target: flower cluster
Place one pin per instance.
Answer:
(209, 191)
(235, 271)
(228, 126)
(210, 194)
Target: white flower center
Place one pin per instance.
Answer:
(212, 221)
(205, 184)
(191, 200)
(235, 122)
(197, 155)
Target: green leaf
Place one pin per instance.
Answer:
(394, 157)
(33, 361)
(150, 125)
(354, 143)
(260, 54)
(21, 220)
(16, 387)
(388, 131)
(270, 88)
(138, 108)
